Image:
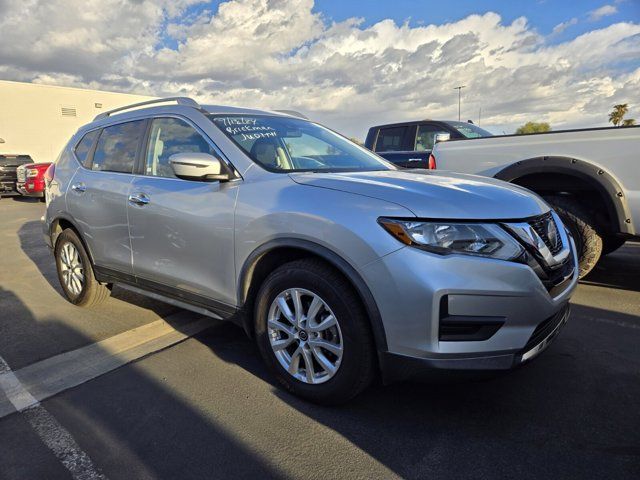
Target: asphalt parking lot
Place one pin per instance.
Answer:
(206, 407)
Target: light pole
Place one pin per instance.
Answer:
(459, 88)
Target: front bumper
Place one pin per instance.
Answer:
(421, 296)
(8, 188)
(396, 367)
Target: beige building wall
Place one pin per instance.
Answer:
(38, 120)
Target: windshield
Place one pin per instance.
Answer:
(469, 130)
(282, 144)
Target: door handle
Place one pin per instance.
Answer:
(79, 187)
(139, 199)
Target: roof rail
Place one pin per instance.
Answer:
(189, 102)
(293, 113)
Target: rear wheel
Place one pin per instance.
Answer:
(75, 272)
(313, 334)
(582, 226)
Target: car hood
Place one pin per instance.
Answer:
(435, 194)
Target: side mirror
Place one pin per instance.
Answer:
(197, 166)
(441, 137)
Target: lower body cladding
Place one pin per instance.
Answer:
(462, 313)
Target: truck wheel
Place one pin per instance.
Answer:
(610, 244)
(582, 227)
(75, 272)
(313, 334)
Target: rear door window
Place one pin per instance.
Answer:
(118, 146)
(84, 147)
(392, 139)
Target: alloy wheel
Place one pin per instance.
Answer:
(305, 336)
(71, 268)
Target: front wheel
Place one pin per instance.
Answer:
(313, 334)
(75, 272)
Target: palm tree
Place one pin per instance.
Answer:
(618, 113)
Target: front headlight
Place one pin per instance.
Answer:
(482, 239)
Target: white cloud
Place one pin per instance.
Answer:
(561, 27)
(282, 54)
(603, 11)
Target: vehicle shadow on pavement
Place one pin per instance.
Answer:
(20, 198)
(32, 244)
(572, 413)
(129, 424)
(620, 269)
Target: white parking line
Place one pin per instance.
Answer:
(49, 377)
(52, 434)
(26, 387)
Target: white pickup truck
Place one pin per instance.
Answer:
(591, 177)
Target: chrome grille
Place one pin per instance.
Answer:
(542, 228)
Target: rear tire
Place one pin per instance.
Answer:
(75, 272)
(306, 280)
(582, 226)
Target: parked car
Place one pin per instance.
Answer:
(338, 263)
(590, 177)
(8, 176)
(409, 144)
(30, 179)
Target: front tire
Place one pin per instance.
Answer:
(75, 272)
(582, 226)
(313, 334)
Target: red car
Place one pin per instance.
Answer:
(31, 180)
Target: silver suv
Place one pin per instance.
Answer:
(339, 264)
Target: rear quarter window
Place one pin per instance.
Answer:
(84, 147)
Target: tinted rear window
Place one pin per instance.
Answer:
(118, 146)
(391, 139)
(84, 146)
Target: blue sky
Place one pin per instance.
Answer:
(544, 15)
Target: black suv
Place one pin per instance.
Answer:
(409, 144)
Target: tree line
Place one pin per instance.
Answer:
(616, 117)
